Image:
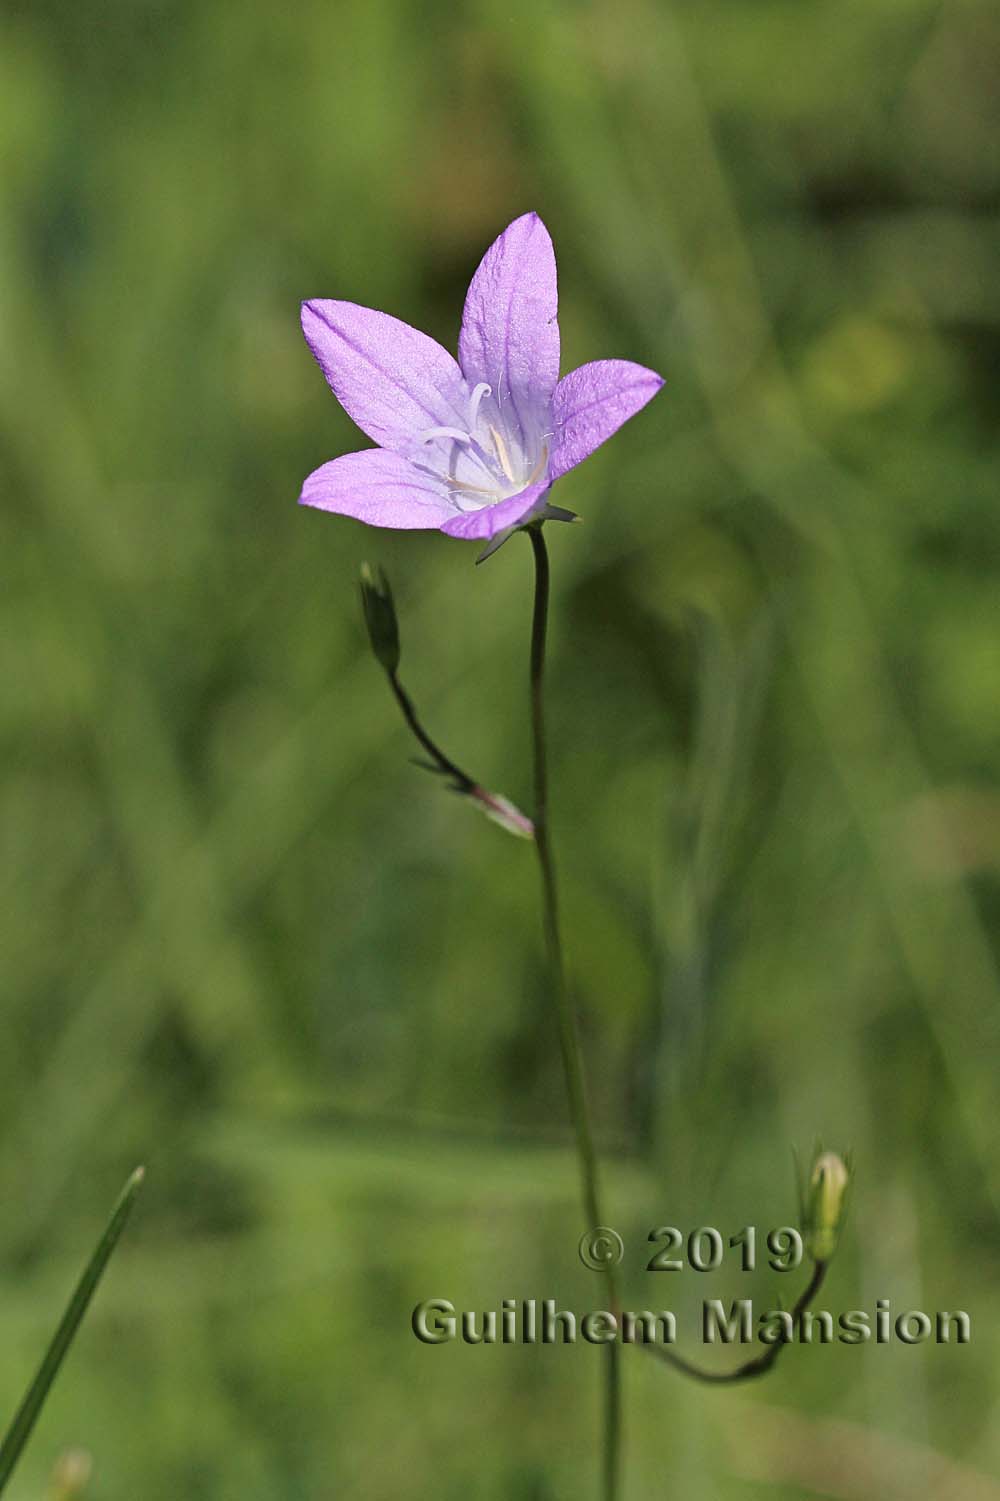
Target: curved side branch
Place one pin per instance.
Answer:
(758, 1365)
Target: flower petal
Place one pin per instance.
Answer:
(379, 488)
(513, 511)
(394, 381)
(591, 403)
(510, 335)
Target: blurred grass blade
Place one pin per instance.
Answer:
(26, 1416)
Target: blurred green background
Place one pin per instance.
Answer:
(246, 942)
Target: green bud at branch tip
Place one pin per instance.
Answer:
(824, 1204)
(380, 617)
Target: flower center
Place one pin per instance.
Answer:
(498, 453)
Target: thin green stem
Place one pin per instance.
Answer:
(569, 1037)
(500, 809)
(758, 1365)
(462, 781)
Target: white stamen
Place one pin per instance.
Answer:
(475, 400)
(457, 484)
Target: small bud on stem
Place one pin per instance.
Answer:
(824, 1204)
(380, 616)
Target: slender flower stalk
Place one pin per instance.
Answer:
(757, 1365)
(383, 634)
(496, 807)
(823, 1206)
(569, 1036)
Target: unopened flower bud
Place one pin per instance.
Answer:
(824, 1205)
(380, 616)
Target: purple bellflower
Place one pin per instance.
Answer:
(470, 448)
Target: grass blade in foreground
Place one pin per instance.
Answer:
(19, 1432)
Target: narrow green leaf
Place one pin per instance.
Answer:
(18, 1433)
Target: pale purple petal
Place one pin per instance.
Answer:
(510, 334)
(380, 488)
(591, 403)
(394, 381)
(492, 519)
